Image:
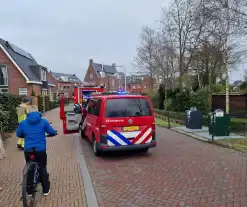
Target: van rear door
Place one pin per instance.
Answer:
(129, 120)
(71, 115)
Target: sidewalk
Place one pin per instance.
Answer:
(63, 165)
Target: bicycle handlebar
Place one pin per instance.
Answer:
(48, 135)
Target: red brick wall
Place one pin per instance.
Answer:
(15, 78)
(96, 79)
(108, 83)
(53, 81)
(68, 91)
(144, 86)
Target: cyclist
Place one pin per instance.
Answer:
(33, 130)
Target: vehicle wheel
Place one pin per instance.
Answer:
(27, 200)
(95, 148)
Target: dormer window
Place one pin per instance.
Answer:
(43, 75)
(65, 78)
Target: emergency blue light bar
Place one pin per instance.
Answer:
(121, 92)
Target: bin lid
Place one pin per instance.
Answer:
(219, 113)
(193, 109)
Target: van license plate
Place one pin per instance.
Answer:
(131, 128)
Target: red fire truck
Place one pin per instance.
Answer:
(83, 93)
(80, 95)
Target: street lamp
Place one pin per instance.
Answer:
(125, 80)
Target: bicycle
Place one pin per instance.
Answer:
(33, 166)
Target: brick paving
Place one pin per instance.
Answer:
(63, 165)
(181, 171)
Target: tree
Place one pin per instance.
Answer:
(155, 56)
(4, 115)
(145, 54)
(186, 22)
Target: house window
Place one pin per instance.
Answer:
(134, 87)
(43, 75)
(65, 78)
(138, 86)
(44, 92)
(23, 91)
(3, 75)
(4, 90)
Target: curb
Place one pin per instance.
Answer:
(91, 199)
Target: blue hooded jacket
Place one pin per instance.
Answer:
(33, 129)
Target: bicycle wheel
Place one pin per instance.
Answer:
(29, 201)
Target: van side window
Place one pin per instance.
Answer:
(94, 107)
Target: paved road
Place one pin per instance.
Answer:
(181, 171)
(63, 165)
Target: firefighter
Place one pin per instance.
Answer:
(22, 111)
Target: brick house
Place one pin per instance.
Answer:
(140, 83)
(65, 83)
(20, 73)
(98, 74)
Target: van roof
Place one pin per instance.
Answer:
(104, 96)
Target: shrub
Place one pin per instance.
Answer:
(200, 100)
(9, 103)
(181, 101)
(40, 103)
(4, 117)
(154, 98)
(47, 103)
(33, 93)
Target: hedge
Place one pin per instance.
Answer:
(8, 105)
(48, 104)
(237, 125)
(10, 102)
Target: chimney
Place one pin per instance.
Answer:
(114, 65)
(90, 61)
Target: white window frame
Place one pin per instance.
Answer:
(43, 75)
(6, 74)
(44, 92)
(6, 90)
(23, 92)
(113, 83)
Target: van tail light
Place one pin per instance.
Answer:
(103, 129)
(153, 126)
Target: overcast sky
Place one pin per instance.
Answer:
(63, 35)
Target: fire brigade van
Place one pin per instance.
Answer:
(114, 122)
